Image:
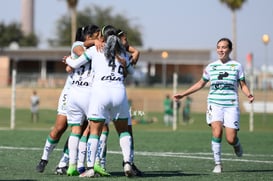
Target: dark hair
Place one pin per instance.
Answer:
(90, 30)
(227, 40)
(108, 30)
(120, 33)
(113, 44)
(79, 34)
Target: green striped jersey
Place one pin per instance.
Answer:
(223, 79)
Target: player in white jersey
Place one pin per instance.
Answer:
(61, 119)
(108, 95)
(60, 123)
(102, 149)
(225, 75)
(77, 104)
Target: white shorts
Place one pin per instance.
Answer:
(229, 116)
(77, 105)
(107, 121)
(108, 103)
(62, 103)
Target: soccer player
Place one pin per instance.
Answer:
(77, 104)
(61, 118)
(34, 109)
(108, 96)
(134, 53)
(168, 111)
(223, 111)
(102, 149)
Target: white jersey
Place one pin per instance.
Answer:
(35, 100)
(108, 90)
(79, 92)
(223, 79)
(105, 72)
(82, 77)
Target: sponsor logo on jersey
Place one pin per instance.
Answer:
(111, 78)
(80, 83)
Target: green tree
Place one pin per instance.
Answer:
(13, 33)
(234, 5)
(100, 17)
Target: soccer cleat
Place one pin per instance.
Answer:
(136, 171)
(88, 173)
(81, 170)
(218, 168)
(72, 171)
(98, 169)
(128, 171)
(238, 150)
(61, 170)
(41, 166)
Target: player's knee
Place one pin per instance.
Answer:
(231, 140)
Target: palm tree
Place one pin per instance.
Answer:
(234, 5)
(72, 4)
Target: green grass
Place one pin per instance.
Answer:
(161, 153)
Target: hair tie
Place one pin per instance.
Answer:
(102, 30)
(120, 33)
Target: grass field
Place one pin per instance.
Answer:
(161, 153)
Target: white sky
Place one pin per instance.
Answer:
(172, 24)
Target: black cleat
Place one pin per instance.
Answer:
(137, 171)
(41, 166)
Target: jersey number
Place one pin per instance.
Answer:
(82, 69)
(113, 65)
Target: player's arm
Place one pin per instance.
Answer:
(194, 88)
(246, 90)
(91, 42)
(78, 50)
(83, 59)
(134, 53)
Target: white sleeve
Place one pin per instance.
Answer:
(76, 63)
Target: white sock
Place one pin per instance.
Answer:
(50, 144)
(101, 152)
(82, 151)
(125, 142)
(73, 143)
(92, 145)
(216, 149)
(64, 160)
(132, 150)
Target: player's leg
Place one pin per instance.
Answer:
(215, 118)
(62, 167)
(216, 145)
(232, 125)
(92, 145)
(52, 140)
(100, 163)
(73, 143)
(82, 148)
(134, 167)
(125, 141)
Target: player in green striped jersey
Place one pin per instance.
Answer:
(224, 75)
